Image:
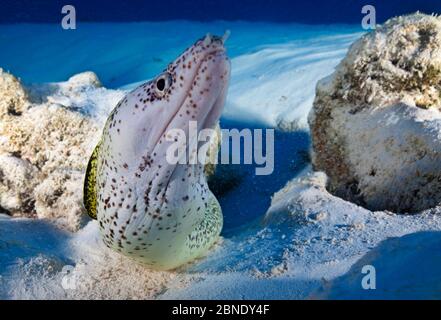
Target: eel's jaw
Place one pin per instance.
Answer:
(203, 105)
(214, 113)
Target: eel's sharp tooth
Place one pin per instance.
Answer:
(226, 36)
(207, 39)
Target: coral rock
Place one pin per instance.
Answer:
(13, 98)
(47, 133)
(376, 121)
(17, 179)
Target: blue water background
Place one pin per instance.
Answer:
(311, 11)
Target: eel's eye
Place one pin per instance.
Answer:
(163, 83)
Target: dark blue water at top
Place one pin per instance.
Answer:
(311, 11)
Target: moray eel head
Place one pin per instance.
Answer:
(157, 212)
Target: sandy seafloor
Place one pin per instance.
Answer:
(274, 71)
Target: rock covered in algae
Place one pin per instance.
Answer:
(47, 133)
(376, 121)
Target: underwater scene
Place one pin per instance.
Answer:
(220, 150)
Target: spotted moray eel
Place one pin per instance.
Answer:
(160, 214)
